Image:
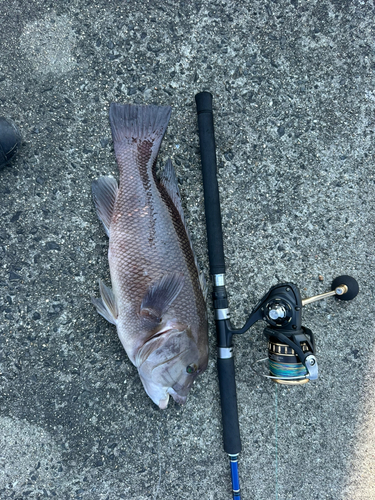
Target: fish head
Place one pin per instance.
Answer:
(169, 362)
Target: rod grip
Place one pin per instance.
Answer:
(227, 385)
(211, 191)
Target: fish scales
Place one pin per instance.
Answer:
(157, 302)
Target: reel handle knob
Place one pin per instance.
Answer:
(350, 283)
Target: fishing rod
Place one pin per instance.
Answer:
(291, 346)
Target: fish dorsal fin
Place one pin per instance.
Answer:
(168, 180)
(160, 296)
(104, 192)
(106, 305)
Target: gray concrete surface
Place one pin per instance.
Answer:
(293, 86)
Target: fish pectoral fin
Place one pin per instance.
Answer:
(106, 305)
(160, 296)
(104, 192)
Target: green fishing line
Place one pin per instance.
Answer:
(276, 451)
(287, 370)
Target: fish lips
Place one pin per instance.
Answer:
(162, 363)
(180, 399)
(160, 394)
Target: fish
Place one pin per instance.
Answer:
(157, 300)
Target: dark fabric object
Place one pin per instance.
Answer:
(9, 140)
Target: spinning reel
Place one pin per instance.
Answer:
(291, 347)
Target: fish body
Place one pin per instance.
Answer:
(156, 302)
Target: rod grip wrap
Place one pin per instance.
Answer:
(211, 191)
(227, 384)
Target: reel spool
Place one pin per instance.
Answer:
(284, 364)
(291, 347)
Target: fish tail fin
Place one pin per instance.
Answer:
(132, 124)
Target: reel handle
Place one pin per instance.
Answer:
(211, 191)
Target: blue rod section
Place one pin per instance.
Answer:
(235, 477)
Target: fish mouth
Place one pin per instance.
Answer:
(163, 403)
(167, 328)
(177, 397)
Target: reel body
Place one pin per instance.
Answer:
(291, 346)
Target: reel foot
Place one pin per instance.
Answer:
(351, 284)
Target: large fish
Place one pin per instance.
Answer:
(157, 302)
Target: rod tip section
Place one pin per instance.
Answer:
(204, 102)
(351, 283)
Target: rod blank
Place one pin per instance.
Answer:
(225, 365)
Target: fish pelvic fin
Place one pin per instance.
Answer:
(106, 305)
(142, 127)
(168, 180)
(160, 296)
(104, 193)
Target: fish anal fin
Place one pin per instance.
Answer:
(160, 296)
(106, 305)
(102, 310)
(104, 192)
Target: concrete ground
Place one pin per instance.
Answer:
(294, 96)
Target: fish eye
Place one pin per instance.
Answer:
(191, 369)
